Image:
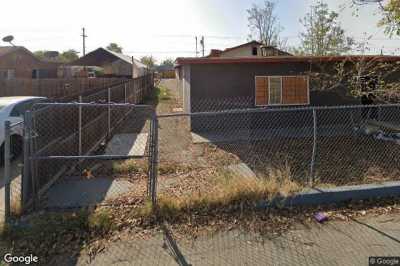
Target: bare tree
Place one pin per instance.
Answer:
(264, 25)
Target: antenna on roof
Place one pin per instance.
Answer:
(9, 39)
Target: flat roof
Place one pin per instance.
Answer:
(284, 59)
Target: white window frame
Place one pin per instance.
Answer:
(269, 91)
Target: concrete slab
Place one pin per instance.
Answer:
(266, 134)
(80, 192)
(326, 196)
(332, 243)
(241, 170)
(127, 144)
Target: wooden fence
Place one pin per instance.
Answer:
(56, 88)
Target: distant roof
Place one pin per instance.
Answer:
(242, 45)
(218, 53)
(284, 59)
(125, 58)
(9, 49)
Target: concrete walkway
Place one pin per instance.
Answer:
(75, 192)
(332, 243)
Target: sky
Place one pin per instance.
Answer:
(165, 29)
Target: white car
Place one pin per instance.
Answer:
(13, 109)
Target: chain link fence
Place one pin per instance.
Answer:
(278, 151)
(101, 152)
(69, 130)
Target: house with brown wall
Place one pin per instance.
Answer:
(250, 49)
(112, 64)
(217, 83)
(17, 62)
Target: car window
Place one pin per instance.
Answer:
(21, 108)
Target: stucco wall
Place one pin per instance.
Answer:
(232, 86)
(242, 51)
(233, 81)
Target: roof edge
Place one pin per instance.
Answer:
(283, 59)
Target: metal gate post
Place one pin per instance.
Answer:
(109, 112)
(7, 178)
(80, 127)
(314, 151)
(32, 163)
(153, 161)
(125, 93)
(26, 172)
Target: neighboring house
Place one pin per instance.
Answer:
(112, 64)
(217, 83)
(17, 62)
(166, 71)
(252, 48)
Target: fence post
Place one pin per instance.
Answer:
(314, 151)
(154, 161)
(31, 162)
(7, 177)
(109, 112)
(26, 172)
(80, 126)
(125, 93)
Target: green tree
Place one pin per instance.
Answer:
(323, 33)
(64, 57)
(264, 24)
(168, 62)
(390, 10)
(391, 18)
(114, 47)
(69, 56)
(149, 61)
(40, 54)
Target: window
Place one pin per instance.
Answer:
(275, 90)
(255, 51)
(285, 90)
(7, 73)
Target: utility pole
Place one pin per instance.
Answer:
(84, 36)
(202, 44)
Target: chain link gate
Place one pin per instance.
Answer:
(84, 154)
